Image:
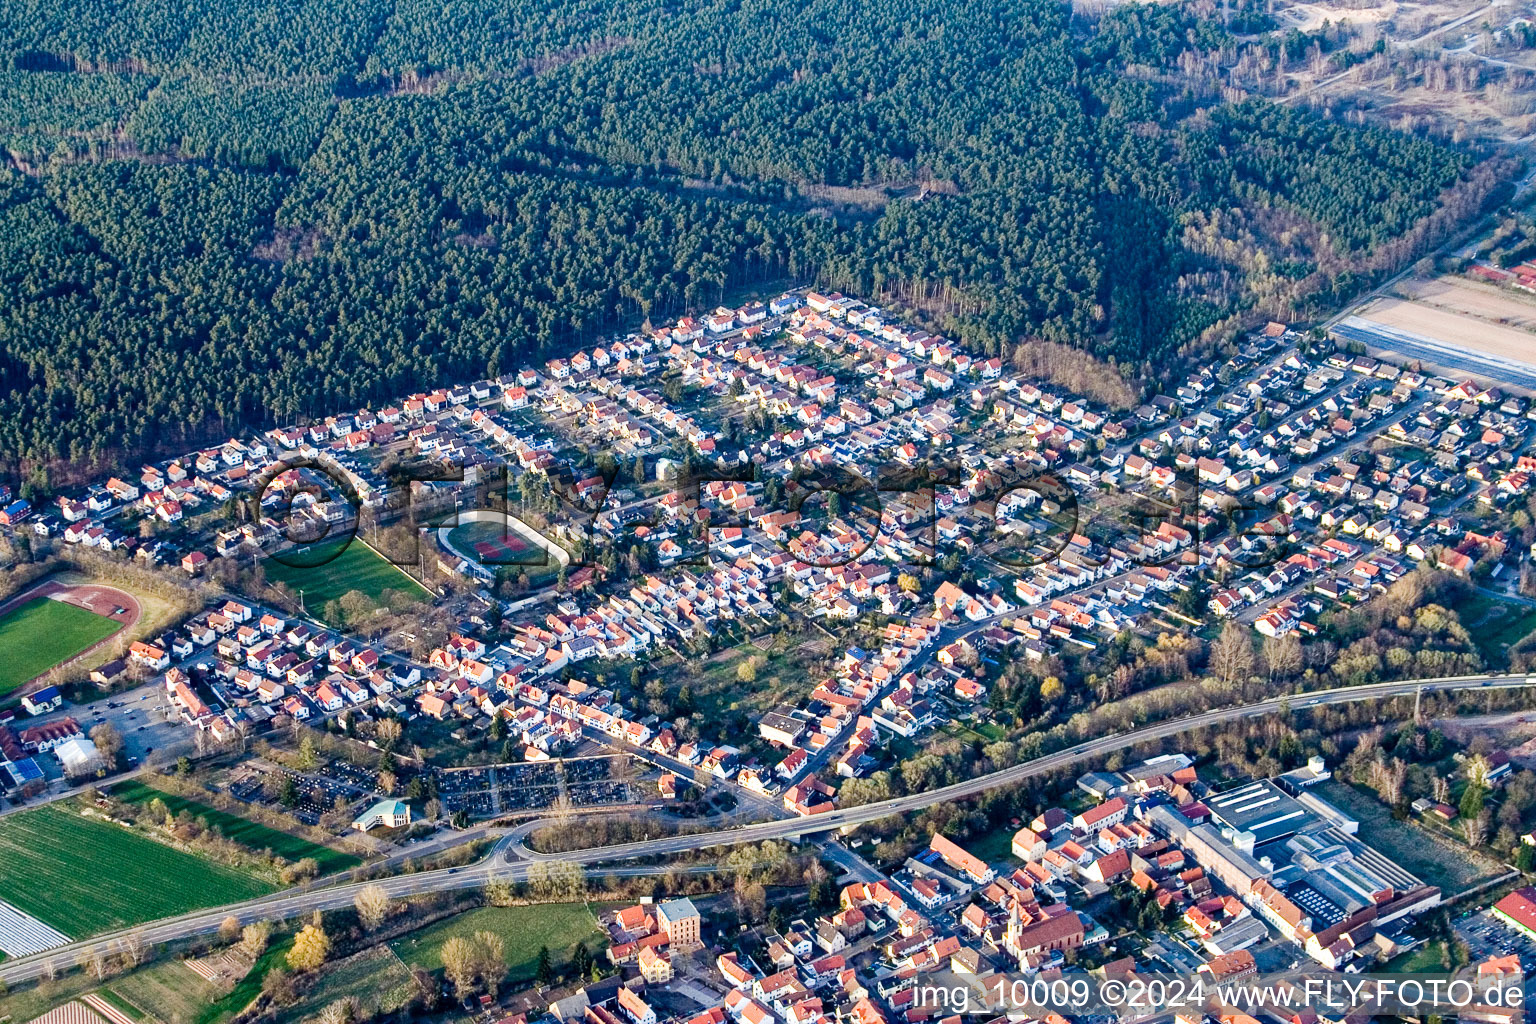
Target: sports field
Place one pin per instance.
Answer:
(41, 634)
(84, 876)
(524, 929)
(502, 545)
(494, 544)
(358, 567)
(248, 833)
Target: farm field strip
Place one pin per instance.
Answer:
(84, 876)
(1484, 302)
(22, 934)
(1456, 329)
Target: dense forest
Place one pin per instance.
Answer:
(248, 211)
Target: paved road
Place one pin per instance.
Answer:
(294, 902)
(800, 827)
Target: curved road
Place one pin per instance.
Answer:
(496, 864)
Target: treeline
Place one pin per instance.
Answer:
(382, 202)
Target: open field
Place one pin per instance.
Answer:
(42, 633)
(358, 568)
(169, 991)
(996, 847)
(375, 978)
(248, 987)
(1427, 959)
(1495, 625)
(524, 929)
(242, 830)
(1435, 860)
(84, 876)
(986, 732)
(1455, 329)
(1469, 298)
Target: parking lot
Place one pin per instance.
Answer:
(1487, 936)
(139, 715)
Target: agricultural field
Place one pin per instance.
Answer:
(248, 833)
(153, 993)
(358, 568)
(1474, 299)
(123, 1006)
(167, 991)
(54, 865)
(43, 633)
(1455, 328)
(524, 929)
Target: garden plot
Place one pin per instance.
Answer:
(73, 1012)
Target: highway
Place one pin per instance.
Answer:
(497, 864)
(292, 903)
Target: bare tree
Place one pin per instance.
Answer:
(1476, 829)
(93, 961)
(1388, 777)
(490, 960)
(134, 948)
(1232, 654)
(458, 956)
(1282, 655)
(372, 905)
(342, 1011)
(254, 938)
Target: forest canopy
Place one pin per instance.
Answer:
(248, 211)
